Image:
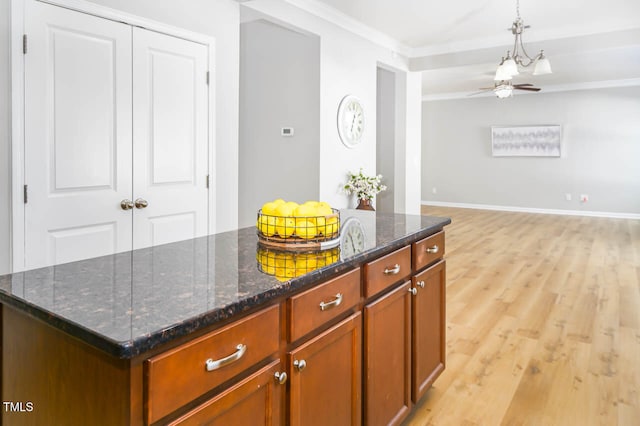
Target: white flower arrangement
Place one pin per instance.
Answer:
(365, 187)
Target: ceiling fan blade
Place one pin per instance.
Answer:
(486, 88)
(522, 84)
(532, 89)
(482, 91)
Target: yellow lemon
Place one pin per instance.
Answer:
(306, 263)
(267, 225)
(269, 208)
(324, 204)
(323, 210)
(305, 210)
(285, 226)
(310, 203)
(292, 204)
(278, 201)
(306, 229)
(285, 210)
(285, 267)
(332, 226)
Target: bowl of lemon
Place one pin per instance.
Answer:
(287, 224)
(285, 265)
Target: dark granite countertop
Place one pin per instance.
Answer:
(128, 303)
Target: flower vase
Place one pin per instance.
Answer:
(364, 204)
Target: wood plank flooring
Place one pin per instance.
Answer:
(543, 321)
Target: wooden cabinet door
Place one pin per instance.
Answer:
(326, 377)
(256, 400)
(387, 352)
(428, 324)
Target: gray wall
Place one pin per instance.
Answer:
(386, 137)
(279, 87)
(600, 151)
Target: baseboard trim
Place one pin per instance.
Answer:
(614, 215)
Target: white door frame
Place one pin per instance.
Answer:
(17, 252)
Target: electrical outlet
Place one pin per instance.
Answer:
(584, 198)
(567, 197)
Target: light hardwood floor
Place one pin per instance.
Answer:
(543, 321)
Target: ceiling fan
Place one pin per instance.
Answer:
(504, 88)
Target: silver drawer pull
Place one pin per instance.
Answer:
(328, 305)
(214, 365)
(413, 290)
(433, 249)
(393, 271)
(420, 284)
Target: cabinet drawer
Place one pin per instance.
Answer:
(179, 375)
(428, 250)
(386, 271)
(255, 400)
(312, 308)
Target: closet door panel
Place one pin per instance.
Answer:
(78, 144)
(170, 138)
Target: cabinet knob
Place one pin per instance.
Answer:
(433, 249)
(281, 377)
(126, 204)
(300, 365)
(420, 283)
(413, 291)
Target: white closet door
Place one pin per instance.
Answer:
(170, 138)
(77, 135)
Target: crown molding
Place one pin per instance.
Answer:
(350, 24)
(589, 85)
(506, 40)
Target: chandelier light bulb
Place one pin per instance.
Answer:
(542, 65)
(510, 66)
(502, 74)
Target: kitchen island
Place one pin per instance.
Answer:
(187, 332)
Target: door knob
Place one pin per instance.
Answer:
(141, 203)
(126, 204)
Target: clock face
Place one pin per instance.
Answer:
(352, 239)
(350, 121)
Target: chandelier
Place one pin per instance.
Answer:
(509, 66)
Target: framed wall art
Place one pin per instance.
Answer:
(526, 141)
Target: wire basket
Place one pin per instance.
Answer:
(307, 232)
(285, 265)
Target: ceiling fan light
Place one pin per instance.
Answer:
(501, 74)
(503, 91)
(542, 66)
(510, 67)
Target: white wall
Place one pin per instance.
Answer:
(5, 135)
(279, 87)
(216, 18)
(348, 65)
(600, 151)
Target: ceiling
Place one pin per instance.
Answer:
(590, 43)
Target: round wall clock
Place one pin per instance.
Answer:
(352, 238)
(350, 121)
